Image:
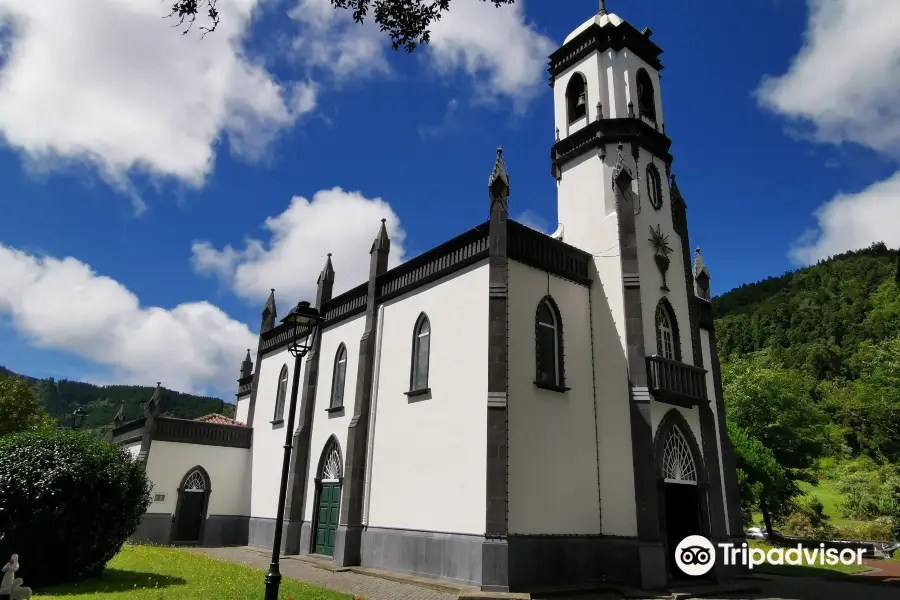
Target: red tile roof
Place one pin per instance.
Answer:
(217, 418)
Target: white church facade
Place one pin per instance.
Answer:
(509, 410)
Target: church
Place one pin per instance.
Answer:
(509, 410)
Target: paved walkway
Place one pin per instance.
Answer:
(355, 584)
(881, 584)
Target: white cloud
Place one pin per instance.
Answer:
(502, 51)
(332, 41)
(531, 219)
(343, 223)
(841, 85)
(113, 83)
(843, 81)
(853, 221)
(497, 47)
(62, 304)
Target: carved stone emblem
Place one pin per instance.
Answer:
(661, 251)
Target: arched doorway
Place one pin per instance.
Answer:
(682, 484)
(329, 476)
(190, 510)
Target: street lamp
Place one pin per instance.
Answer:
(78, 418)
(305, 320)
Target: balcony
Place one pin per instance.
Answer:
(676, 383)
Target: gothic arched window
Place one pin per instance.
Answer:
(576, 97)
(678, 460)
(338, 377)
(646, 95)
(548, 344)
(418, 379)
(281, 394)
(666, 332)
(654, 187)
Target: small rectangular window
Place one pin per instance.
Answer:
(159, 497)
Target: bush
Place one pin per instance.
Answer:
(877, 530)
(807, 519)
(70, 500)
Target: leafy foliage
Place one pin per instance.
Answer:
(62, 397)
(20, 407)
(69, 500)
(406, 22)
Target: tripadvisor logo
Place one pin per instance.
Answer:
(695, 555)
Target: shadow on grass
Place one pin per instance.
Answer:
(113, 580)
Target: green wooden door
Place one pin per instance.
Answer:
(327, 518)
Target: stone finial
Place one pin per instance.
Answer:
(269, 314)
(327, 273)
(382, 242)
(498, 184)
(151, 409)
(119, 419)
(599, 111)
(701, 276)
(247, 365)
(631, 109)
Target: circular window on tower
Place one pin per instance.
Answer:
(654, 187)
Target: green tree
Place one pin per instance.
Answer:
(21, 408)
(406, 22)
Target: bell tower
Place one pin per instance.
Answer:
(609, 124)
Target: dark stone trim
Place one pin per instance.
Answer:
(170, 429)
(348, 536)
(675, 382)
(551, 387)
(129, 432)
(335, 409)
(664, 304)
(245, 386)
(439, 262)
(207, 490)
(154, 528)
(277, 424)
(226, 530)
(679, 220)
(421, 392)
(646, 494)
(729, 464)
(715, 501)
(421, 320)
(299, 469)
(541, 251)
(597, 134)
(704, 313)
(342, 307)
(598, 38)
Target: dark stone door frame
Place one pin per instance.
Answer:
(672, 420)
(207, 490)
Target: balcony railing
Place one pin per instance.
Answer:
(676, 383)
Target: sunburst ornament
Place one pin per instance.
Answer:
(660, 241)
(661, 251)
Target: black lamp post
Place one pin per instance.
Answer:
(305, 320)
(78, 418)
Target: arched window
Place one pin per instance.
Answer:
(548, 344)
(282, 393)
(338, 377)
(576, 97)
(678, 460)
(646, 96)
(420, 353)
(654, 187)
(666, 332)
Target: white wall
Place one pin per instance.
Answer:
(268, 442)
(714, 405)
(326, 424)
(227, 467)
(242, 410)
(651, 278)
(553, 446)
(429, 466)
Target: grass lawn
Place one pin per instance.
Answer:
(157, 573)
(805, 570)
(830, 499)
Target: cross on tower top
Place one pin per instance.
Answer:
(602, 7)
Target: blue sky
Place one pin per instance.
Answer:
(155, 186)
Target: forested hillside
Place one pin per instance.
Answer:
(811, 368)
(102, 403)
